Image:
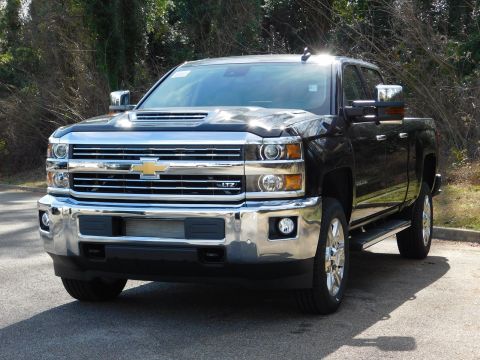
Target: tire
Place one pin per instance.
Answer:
(415, 242)
(325, 297)
(95, 290)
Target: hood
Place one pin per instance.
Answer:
(260, 121)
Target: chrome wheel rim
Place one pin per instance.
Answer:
(426, 220)
(335, 256)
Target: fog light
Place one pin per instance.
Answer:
(286, 226)
(45, 220)
(60, 180)
(271, 182)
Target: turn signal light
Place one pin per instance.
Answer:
(394, 110)
(293, 182)
(294, 151)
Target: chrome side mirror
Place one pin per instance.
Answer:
(389, 102)
(120, 101)
(388, 105)
(385, 93)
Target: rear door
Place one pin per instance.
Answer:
(396, 174)
(368, 150)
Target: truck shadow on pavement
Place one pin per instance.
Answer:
(176, 321)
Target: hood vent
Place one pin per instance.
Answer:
(156, 118)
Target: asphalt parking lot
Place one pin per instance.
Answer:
(394, 308)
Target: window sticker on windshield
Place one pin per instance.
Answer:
(181, 74)
(313, 87)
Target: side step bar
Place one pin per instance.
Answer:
(374, 235)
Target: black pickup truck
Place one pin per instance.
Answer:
(259, 170)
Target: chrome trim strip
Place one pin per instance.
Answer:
(276, 194)
(148, 240)
(56, 164)
(146, 138)
(175, 168)
(58, 191)
(157, 188)
(280, 167)
(173, 206)
(180, 198)
(259, 205)
(159, 197)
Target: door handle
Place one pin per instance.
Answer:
(381, 137)
(403, 135)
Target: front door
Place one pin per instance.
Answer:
(396, 142)
(369, 152)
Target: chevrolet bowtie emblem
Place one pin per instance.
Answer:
(149, 168)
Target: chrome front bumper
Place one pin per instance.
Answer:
(246, 227)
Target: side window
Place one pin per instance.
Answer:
(372, 78)
(352, 86)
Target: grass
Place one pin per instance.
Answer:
(32, 178)
(459, 203)
(457, 206)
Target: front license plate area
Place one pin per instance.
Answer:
(169, 229)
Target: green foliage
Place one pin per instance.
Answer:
(117, 30)
(59, 59)
(10, 22)
(460, 157)
(3, 147)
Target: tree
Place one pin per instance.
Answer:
(10, 24)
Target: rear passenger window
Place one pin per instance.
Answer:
(352, 86)
(372, 78)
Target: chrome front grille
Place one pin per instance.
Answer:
(155, 118)
(169, 185)
(135, 152)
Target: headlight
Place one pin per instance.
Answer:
(275, 150)
(270, 182)
(274, 183)
(57, 151)
(58, 179)
(271, 151)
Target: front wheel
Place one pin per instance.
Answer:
(415, 241)
(94, 290)
(331, 263)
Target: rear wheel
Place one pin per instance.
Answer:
(415, 242)
(94, 290)
(331, 263)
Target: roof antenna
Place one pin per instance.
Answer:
(306, 55)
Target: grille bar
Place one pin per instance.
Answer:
(81, 147)
(215, 185)
(157, 154)
(152, 187)
(133, 152)
(156, 180)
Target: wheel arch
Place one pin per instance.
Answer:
(429, 167)
(338, 184)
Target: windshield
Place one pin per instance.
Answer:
(270, 85)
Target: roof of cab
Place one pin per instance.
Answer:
(284, 58)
